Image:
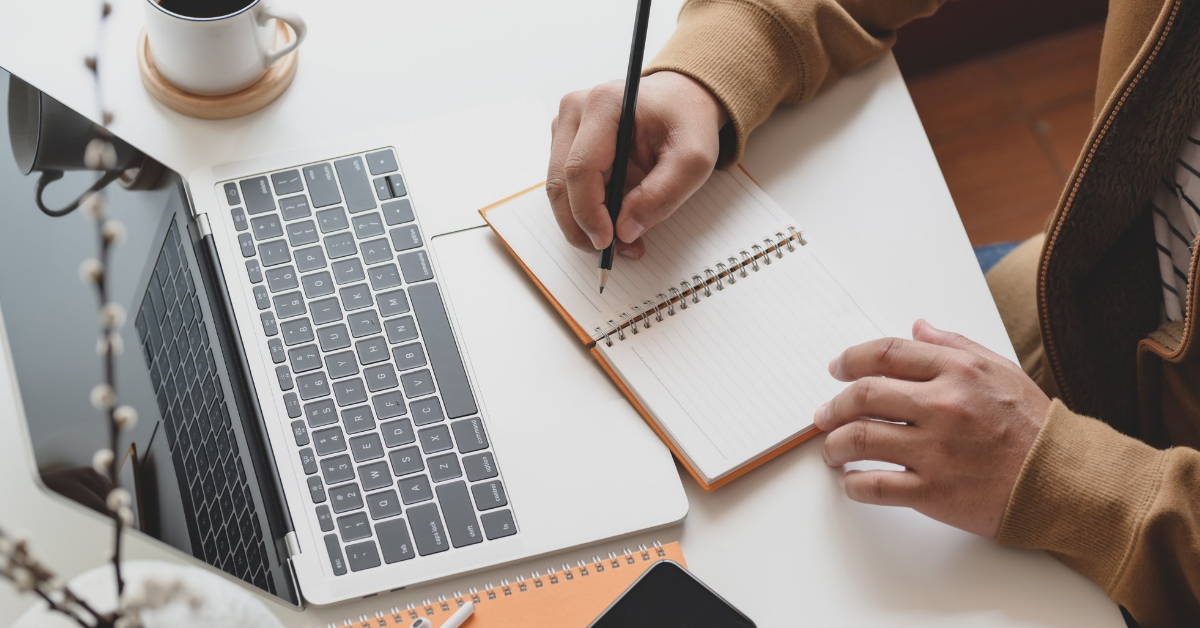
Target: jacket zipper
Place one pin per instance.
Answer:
(1047, 333)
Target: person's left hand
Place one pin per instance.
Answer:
(958, 417)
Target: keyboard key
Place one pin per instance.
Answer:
(366, 447)
(427, 529)
(460, 516)
(441, 468)
(329, 441)
(302, 233)
(254, 271)
(266, 227)
(348, 271)
(332, 219)
(364, 323)
(305, 359)
(415, 490)
(334, 549)
(371, 350)
(292, 403)
(320, 413)
(287, 182)
(478, 466)
(316, 490)
(499, 524)
(396, 182)
(282, 278)
(376, 251)
(313, 386)
(318, 285)
(426, 411)
(418, 383)
(258, 195)
(337, 469)
(384, 277)
(325, 518)
(358, 419)
(297, 331)
(340, 245)
(270, 327)
(368, 226)
(289, 304)
(239, 219)
(352, 174)
(374, 476)
(382, 189)
(397, 433)
(345, 498)
(409, 356)
(356, 297)
(274, 253)
(405, 237)
(443, 351)
(415, 266)
(294, 207)
(321, 185)
(382, 162)
(308, 461)
(354, 527)
(233, 198)
(310, 258)
(489, 495)
(394, 541)
(283, 375)
(400, 329)
(246, 244)
(300, 432)
(362, 556)
(350, 392)
(333, 337)
(341, 364)
(405, 461)
(383, 504)
(468, 433)
(388, 405)
(326, 311)
(398, 212)
(382, 377)
(433, 439)
(392, 303)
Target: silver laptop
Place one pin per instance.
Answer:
(312, 423)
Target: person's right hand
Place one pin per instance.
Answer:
(675, 146)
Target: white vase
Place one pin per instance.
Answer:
(221, 604)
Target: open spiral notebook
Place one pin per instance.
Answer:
(720, 334)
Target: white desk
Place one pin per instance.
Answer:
(853, 167)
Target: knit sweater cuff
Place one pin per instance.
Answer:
(1082, 494)
(707, 48)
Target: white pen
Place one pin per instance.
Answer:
(460, 616)
(422, 623)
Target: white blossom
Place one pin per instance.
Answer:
(23, 579)
(116, 343)
(103, 397)
(118, 498)
(113, 231)
(112, 316)
(125, 516)
(93, 206)
(125, 417)
(90, 271)
(102, 461)
(100, 155)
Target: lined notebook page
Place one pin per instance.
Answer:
(727, 215)
(736, 375)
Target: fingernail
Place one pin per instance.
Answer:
(632, 229)
(822, 416)
(842, 481)
(597, 242)
(630, 253)
(833, 365)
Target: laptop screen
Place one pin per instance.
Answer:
(194, 460)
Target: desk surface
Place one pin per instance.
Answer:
(854, 167)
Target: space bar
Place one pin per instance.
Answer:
(443, 351)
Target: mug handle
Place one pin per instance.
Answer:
(270, 12)
(50, 176)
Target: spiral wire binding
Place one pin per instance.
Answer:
(691, 289)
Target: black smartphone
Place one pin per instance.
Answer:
(667, 596)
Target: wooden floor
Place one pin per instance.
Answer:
(1008, 128)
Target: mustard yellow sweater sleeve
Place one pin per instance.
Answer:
(1115, 509)
(754, 55)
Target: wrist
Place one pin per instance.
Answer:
(701, 96)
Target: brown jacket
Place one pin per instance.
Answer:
(1117, 499)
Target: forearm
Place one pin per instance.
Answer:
(754, 55)
(1116, 510)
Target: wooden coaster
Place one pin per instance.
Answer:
(262, 93)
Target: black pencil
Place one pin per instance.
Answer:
(616, 184)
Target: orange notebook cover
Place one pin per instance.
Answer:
(569, 596)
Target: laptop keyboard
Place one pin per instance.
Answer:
(225, 530)
(386, 428)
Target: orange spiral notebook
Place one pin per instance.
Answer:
(569, 596)
(719, 335)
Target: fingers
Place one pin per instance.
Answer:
(563, 129)
(924, 332)
(890, 357)
(885, 488)
(591, 156)
(874, 397)
(873, 440)
(679, 172)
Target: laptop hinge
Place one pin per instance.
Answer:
(203, 225)
(293, 544)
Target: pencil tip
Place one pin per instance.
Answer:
(601, 289)
(603, 279)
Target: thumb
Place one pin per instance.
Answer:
(675, 177)
(925, 332)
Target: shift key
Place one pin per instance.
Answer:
(360, 196)
(460, 515)
(322, 188)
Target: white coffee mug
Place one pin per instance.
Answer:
(219, 55)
